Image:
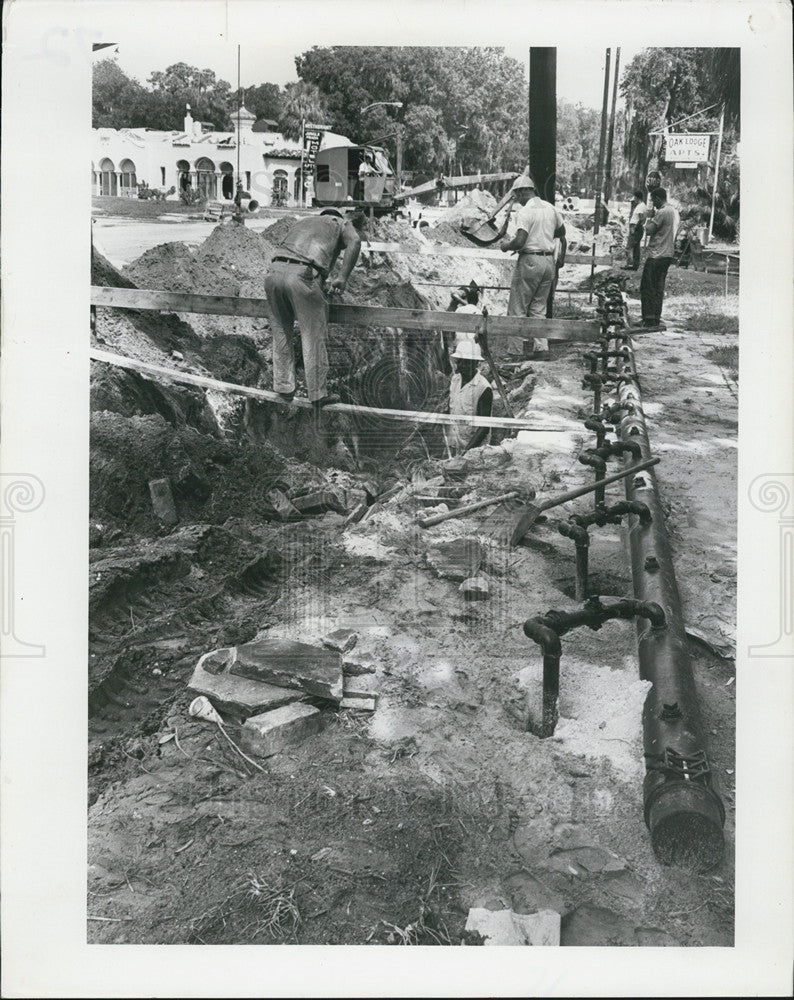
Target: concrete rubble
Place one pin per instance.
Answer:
(504, 927)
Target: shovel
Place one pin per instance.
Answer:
(528, 517)
(485, 234)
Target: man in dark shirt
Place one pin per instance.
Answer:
(296, 287)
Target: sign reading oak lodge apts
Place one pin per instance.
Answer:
(686, 147)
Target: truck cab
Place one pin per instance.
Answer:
(359, 176)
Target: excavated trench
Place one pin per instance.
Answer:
(396, 824)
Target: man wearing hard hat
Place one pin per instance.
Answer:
(537, 224)
(470, 394)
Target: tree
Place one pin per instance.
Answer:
(664, 85)
(302, 102)
(117, 100)
(477, 98)
(264, 100)
(210, 99)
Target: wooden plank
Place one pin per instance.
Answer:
(481, 253)
(504, 326)
(353, 315)
(414, 416)
(184, 302)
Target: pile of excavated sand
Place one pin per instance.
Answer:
(448, 234)
(388, 230)
(275, 234)
(475, 204)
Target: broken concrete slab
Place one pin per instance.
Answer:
(163, 502)
(341, 639)
(585, 860)
(228, 692)
(319, 502)
(359, 687)
(457, 559)
(359, 704)
(291, 664)
(357, 664)
(270, 732)
(504, 927)
(475, 588)
(285, 510)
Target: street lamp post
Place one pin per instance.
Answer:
(399, 139)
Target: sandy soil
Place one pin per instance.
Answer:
(386, 828)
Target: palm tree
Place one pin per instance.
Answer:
(725, 72)
(302, 102)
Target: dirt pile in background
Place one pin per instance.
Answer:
(448, 234)
(475, 204)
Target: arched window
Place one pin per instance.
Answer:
(129, 185)
(107, 177)
(205, 171)
(183, 174)
(227, 181)
(280, 188)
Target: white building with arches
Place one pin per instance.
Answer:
(204, 160)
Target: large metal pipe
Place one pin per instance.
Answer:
(683, 809)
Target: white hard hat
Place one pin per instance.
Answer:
(523, 182)
(467, 350)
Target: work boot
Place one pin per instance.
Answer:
(328, 400)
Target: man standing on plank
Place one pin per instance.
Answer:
(296, 287)
(537, 222)
(661, 229)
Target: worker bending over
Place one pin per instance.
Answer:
(296, 286)
(537, 224)
(470, 394)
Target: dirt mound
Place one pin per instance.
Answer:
(447, 234)
(275, 234)
(238, 252)
(393, 231)
(104, 273)
(474, 205)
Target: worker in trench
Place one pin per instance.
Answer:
(297, 286)
(537, 224)
(470, 394)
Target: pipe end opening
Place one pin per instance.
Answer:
(686, 829)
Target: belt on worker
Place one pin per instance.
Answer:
(303, 263)
(539, 253)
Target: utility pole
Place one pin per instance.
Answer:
(239, 103)
(608, 168)
(600, 171)
(543, 120)
(716, 172)
(398, 180)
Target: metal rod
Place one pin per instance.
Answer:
(716, 175)
(600, 170)
(611, 138)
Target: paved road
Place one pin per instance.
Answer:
(123, 240)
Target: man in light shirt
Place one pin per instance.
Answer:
(639, 210)
(537, 222)
(661, 229)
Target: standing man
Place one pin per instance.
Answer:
(296, 287)
(637, 215)
(537, 222)
(470, 394)
(661, 229)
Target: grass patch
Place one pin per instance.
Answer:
(726, 357)
(707, 321)
(137, 208)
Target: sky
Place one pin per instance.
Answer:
(580, 71)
